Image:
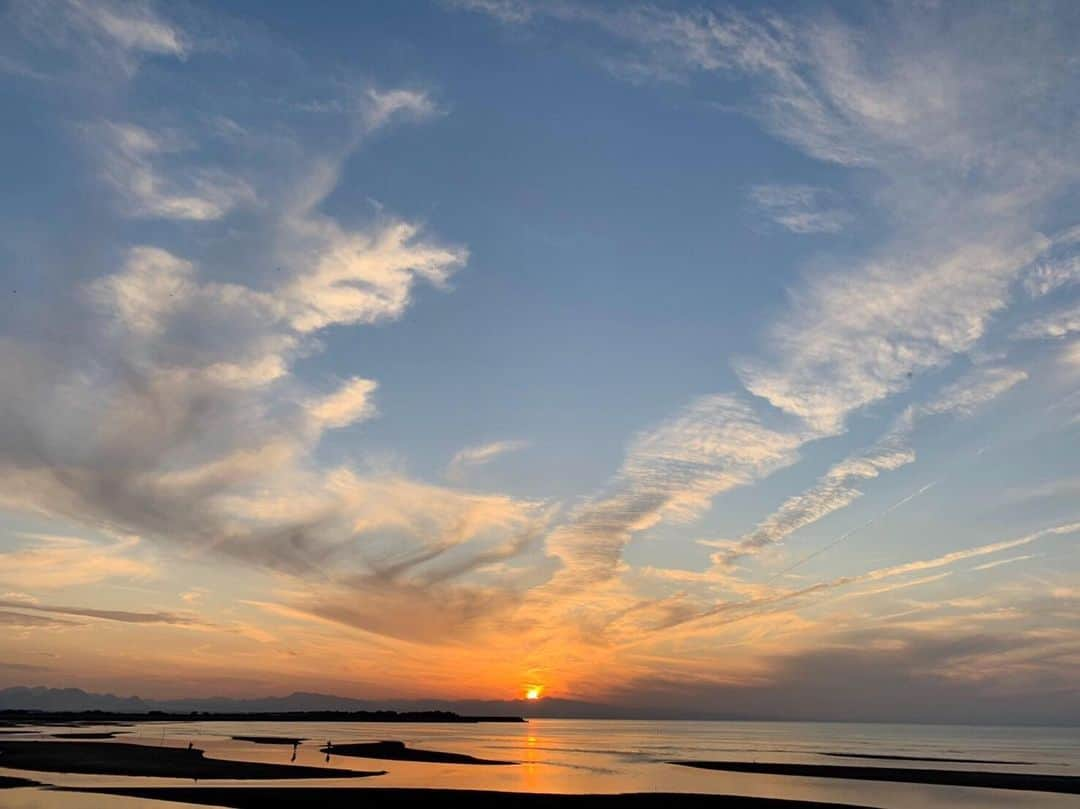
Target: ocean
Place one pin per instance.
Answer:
(590, 756)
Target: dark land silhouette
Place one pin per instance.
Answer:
(1035, 782)
(11, 718)
(7, 782)
(88, 734)
(397, 751)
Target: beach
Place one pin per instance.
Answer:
(334, 798)
(135, 760)
(552, 762)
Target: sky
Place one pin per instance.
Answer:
(663, 355)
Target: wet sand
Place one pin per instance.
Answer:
(288, 741)
(88, 734)
(392, 798)
(1068, 784)
(109, 758)
(397, 751)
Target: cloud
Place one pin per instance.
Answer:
(853, 338)
(952, 557)
(132, 26)
(891, 675)
(169, 408)
(1053, 325)
(930, 114)
(350, 404)
(1045, 277)
(835, 490)
(973, 390)
(385, 105)
(482, 454)
(506, 11)
(1054, 488)
(360, 277)
(172, 404)
(858, 330)
(152, 284)
(1009, 561)
(131, 158)
(95, 39)
(122, 616)
(1059, 268)
(771, 600)
(21, 621)
(798, 208)
(717, 443)
(54, 562)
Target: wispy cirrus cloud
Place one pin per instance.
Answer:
(121, 616)
(857, 332)
(23, 621)
(507, 11)
(673, 471)
(132, 26)
(92, 40)
(837, 488)
(47, 562)
(482, 454)
(1053, 325)
(773, 599)
(1059, 268)
(853, 335)
(133, 163)
(854, 338)
(799, 208)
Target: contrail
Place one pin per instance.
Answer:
(853, 531)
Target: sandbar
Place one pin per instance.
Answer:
(397, 751)
(1037, 782)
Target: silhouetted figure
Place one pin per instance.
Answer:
(329, 747)
(294, 745)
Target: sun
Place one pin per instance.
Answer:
(533, 691)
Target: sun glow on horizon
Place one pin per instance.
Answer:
(533, 691)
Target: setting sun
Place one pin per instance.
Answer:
(533, 691)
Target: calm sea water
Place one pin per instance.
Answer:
(618, 756)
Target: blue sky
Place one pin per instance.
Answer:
(685, 339)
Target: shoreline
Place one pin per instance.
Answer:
(408, 797)
(11, 717)
(125, 759)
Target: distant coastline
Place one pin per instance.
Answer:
(14, 717)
